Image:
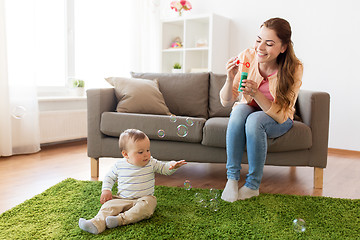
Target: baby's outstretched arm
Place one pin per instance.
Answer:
(176, 165)
(106, 195)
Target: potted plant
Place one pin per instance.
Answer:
(79, 87)
(177, 68)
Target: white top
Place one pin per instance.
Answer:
(134, 181)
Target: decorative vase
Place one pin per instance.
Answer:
(77, 91)
(176, 70)
(80, 91)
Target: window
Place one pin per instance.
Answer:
(103, 40)
(50, 51)
(60, 39)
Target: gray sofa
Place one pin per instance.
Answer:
(196, 95)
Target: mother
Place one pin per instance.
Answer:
(266, 109)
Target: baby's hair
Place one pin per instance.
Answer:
(130, 134)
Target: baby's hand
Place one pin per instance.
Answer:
(176, 165)
(106, 195)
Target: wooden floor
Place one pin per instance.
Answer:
(24, 176)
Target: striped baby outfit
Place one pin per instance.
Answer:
(133, 181)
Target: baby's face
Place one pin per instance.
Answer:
(138, 153)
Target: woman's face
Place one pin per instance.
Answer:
(268, 46)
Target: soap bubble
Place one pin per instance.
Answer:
(19, 112)
(209, 201)
(214, 193)
(172, 118)
(214, 205)
(187, 185)
(198, 197)
(189, 122)
(182, 130)
(161, 133)
(201, 199)
(299, 225)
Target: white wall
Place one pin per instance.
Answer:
(326, 38)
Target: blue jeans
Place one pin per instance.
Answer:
(251, 127)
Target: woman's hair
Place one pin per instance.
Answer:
(288, 62)
(130, 134)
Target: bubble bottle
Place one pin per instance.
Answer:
(244, 70)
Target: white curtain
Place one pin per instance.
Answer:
(19, 120)
(146, 31)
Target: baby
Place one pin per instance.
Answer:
(135, 175)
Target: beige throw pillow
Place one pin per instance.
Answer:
(136, 95)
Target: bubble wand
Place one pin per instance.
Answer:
(244, 71)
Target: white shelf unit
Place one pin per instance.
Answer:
(211, 29)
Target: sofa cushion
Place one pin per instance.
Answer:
(138, 96)
(297, 138)
(217, 81)
(185, 94)
(214, 132)
(114, 123)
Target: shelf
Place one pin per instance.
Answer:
(209, 31)
(185, 49)
(173, 50)
(197, 49)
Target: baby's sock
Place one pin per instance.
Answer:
(245, 193)
(88, 226)
(112, 221)
(230, 193)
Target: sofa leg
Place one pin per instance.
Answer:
(94, 165)
(318, 177)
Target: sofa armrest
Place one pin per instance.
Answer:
(314, 108)
(98, 101)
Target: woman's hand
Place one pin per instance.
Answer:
(106, 195)
(249, 87)
(232, 68)
(227, 97)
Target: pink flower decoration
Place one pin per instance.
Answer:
(180, 5)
